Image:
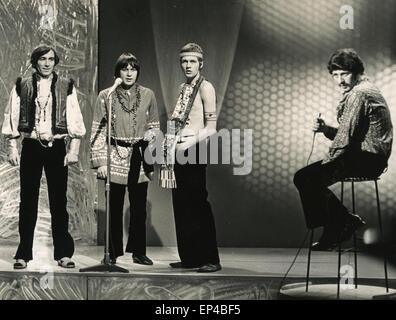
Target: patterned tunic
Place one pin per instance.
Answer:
(134, 112)
(365, 123)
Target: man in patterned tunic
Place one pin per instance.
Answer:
(361, 147)
(134, 116)
(44, 110)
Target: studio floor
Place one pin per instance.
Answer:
(247, 274)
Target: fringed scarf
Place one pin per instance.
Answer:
(178, 122)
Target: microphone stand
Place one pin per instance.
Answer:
(106, 265)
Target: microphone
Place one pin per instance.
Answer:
(313, 142)
(117, 82)
(318, 118)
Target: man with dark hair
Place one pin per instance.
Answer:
(361, 147)
(194, 118)
(44, 110)
(123, 61)
(134, 121)
(346, 59)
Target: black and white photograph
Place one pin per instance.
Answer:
(206, 151)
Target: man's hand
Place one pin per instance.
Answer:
(319, 126)
(150, 134)
(102, 172)
(13, 158)
(70, 158)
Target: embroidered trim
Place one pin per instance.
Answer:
(180, 115)
(185, 102)
(210, 116)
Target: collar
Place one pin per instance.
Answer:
(40, 78)
(361, 79)
(127, 92)
(130, 88)
(52, 78)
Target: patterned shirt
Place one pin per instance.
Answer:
(364, 123)
(134, 112)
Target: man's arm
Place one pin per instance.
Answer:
(208, 95)
(350, 125)
(98, 137)
(75, 127)
(330, 132)
(10, 127)
(153, 125)
(320, 125)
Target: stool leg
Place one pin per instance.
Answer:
(342, 192)
(309, 260)
(382, 236)
(356, 265)
(354, 237)
(339, 269)
(339, 248)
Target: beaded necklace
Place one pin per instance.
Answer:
(131, 111)
(135, 106)
(42, 108)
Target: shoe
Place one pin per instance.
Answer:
(323, 246)
(66, 262)
(181, 265)
(209, 267)
(142, 259)
(329, 239)
(353, 223)
(20, 264)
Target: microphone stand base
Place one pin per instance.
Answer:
(104, 267)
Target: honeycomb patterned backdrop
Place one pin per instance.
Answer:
(280, 83)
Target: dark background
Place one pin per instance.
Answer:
(267, 60)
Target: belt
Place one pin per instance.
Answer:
(44, 143)
(121, 143)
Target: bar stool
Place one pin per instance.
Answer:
(353, 180)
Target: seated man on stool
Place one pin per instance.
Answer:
(361, 147)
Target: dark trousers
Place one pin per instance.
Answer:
(137, 223)
(321, 207)
(194, 221)
(33, 158)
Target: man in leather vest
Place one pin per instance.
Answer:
(44, 110)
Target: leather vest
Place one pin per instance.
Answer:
(26, 89)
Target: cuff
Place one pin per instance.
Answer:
(96, 163)
(74, 146)
(12, 145)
